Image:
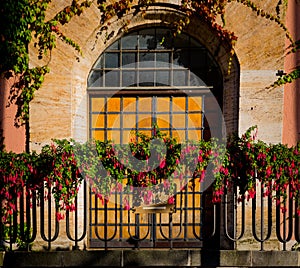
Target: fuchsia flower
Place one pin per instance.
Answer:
(202, 176)
(62, 164)
(171, 200)
(251, 193)
(248, 145)
(283, 209)
(261, 156)
(59, 216)
(166, 184)
(162, 163)
(126, 204)
(268, 171)
(147, 197)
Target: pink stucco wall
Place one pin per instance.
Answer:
(14, 137)
(291, 109)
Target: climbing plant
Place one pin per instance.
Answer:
(211, 11)
(25, 21)
(22, 22)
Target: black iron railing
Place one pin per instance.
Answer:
(191, 222)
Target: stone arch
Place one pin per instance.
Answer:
(158, 15)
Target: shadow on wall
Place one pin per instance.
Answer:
(12, 132)
(1, 137)
(2, 107)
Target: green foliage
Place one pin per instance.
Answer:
(211, 11)
(20, 22)
(160, 170)
(275, 166)
(23, 20)
(16, 235)
(287, 78)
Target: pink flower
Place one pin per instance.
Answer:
(216, 199)
(171, 200)
(59, 216)
(162, 163)
(119, 187)
(126, 204)
(293, 164)
(268, 171)
(248, 145)
(72, 207)
(254, 134)
(166, 184)
(148, 197)
(267, 193)
(283, 209)
(251, 193)
(202, 176)
(99, 196)
(261, 156)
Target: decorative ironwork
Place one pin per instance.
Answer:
(184, 225)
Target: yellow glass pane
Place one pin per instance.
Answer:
(109, 135)
(129, 104)
(194, 120)
(145, 121)
(163, 104)
(97, 120)
(129, 120)
(179, 135)
(98, 135)
(178, 121)
(179, 104)
(113, 120)
(97, 104)
(194, 135)
(127, 136)
(195, 104)
(113, 105)
(163, 121)
(145, 104)
(115, 136)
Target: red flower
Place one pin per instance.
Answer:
(59, 216)
(251, 193)
(248, 145)
(283, 209)
(126, 204)
(162, 163)
(171, 200)
(268, 171)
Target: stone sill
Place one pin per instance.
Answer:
(150, 258)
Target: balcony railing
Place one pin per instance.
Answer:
(194, 221)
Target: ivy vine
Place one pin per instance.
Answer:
(21, 21)
(25, 21)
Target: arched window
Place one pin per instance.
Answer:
(149, 77)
